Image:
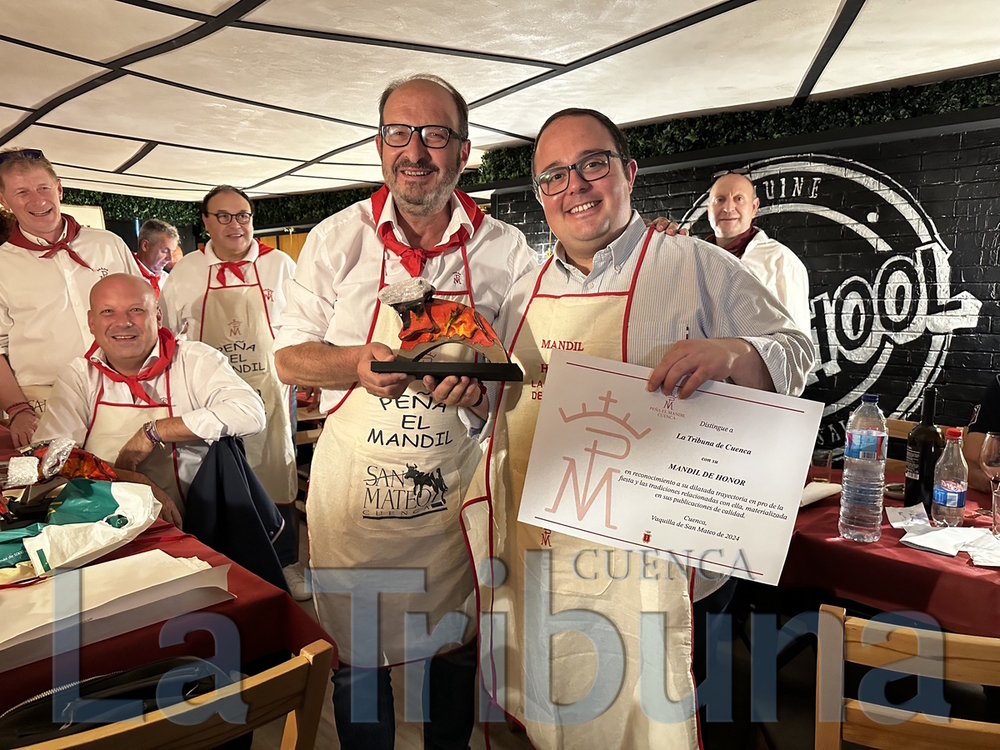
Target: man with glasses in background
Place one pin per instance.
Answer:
(673, 303)
(732, 208)
(47, 267)
(157, 243)
(364, 513)
(231, 296)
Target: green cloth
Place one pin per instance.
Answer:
(80, 501)
(12, 549)
(83, 501)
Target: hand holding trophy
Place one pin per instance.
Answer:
(430, 322)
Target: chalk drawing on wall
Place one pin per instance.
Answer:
(892, 314)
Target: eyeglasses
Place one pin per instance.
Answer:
(224, 217)
(591, 167)
(24, 153)
(432, 136)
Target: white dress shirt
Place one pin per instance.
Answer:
(211, 399)
(780, 270)
(332, 296)
(686, 289)
(44, 301)
(183, 293)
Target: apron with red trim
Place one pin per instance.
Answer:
(385, 487)
(234, 320)
(114, 423)
(544, 666)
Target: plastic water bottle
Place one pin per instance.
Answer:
(951, 480)
(864, 473)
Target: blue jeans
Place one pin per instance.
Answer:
(450, 680)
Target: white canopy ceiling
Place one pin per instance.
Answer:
(169, 98)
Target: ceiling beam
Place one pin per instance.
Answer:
(138, 156)
(117, 65)
(846, 15)
(615, 49)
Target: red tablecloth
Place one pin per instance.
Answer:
(890, 576)
(268, 620)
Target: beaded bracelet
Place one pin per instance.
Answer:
(15, 409)
(149, 429)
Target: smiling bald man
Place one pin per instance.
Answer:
(145, 401)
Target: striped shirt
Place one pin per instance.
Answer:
(686, 288)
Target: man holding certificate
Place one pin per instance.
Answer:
(567, 611)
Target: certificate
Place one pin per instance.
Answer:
(714, 480)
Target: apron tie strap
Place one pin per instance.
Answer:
(18, 239)
(167, 347)
(235, 268)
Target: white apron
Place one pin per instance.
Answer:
(113, 424)
(600, 323)
(235, 321)
(385, 489)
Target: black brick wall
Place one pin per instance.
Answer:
(916, 225)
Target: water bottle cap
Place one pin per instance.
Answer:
(870, 398)
(953, 433)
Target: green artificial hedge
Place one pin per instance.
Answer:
(645, 141)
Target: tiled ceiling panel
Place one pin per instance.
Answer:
(250, 99)
(899, 39)
(75, 173)
(209, 167)
(557, 31)
(80, 149)
(96, 29)
(10, 117)
(296, 184)
(693, 69)
(135, 107)
(28, 77)
(287, 71)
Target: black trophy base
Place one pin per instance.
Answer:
(479, 370)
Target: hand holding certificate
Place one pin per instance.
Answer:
(715, 478)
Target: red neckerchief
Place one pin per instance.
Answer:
(18, 239)
(236, 267)
(739, 245)
(413, 258)
(168, 345)
(152, 278)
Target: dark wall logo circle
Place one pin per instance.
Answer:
(883, 312)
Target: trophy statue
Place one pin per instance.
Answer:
(430, 322)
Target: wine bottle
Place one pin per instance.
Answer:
(923, 448)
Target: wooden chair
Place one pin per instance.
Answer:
(295, 689)
(965, 659)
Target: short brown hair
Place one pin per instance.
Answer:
(17, 161)
(460, 103)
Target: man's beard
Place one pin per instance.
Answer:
(419, 201)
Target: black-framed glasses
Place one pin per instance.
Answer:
(398, 135)
(591, 167)
(26, 153)
(224, 217)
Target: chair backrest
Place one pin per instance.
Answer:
(295, 689)
(962, 658)
(899, 429)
